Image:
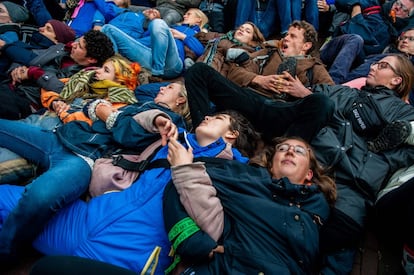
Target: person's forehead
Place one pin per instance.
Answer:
(246, 26)
(297, 31)
(409, 33)
(82, 42)
(3, 8)
(407, 3)
(224, 116)
(48, 25)
(389, 59)
(295, 142)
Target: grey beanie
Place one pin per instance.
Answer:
(18, 14)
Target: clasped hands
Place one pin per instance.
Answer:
(282, 83)
(19, 74)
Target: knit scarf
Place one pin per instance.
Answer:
(212, 46)
(82, 85)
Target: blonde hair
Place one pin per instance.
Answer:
(126, 72)
(201, 15)
(184, 109)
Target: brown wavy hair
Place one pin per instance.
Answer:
(321, 175)
(258, 37)
(405, 69)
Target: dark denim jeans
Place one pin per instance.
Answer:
(263, 16)
(311, 13)
(303, 117)
(340, 53)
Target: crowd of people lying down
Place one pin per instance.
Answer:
(158, 138)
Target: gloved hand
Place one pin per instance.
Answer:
(238, 56)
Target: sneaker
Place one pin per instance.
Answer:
(393, 135)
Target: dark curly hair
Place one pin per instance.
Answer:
(98, 46)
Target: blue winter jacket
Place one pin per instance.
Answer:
(371, 26)
(122, 228)
(132, 23)
(95, 141)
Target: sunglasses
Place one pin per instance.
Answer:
(297, 149)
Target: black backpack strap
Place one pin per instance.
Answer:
(309, 75)
(163, 163)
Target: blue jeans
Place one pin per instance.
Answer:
(312, 13)
(215, 14)
(39, 11)
(161, 58)
(66, 177)
(339, 55)
(170, 16)
(288, 12)
(263, 18)
(20, 172)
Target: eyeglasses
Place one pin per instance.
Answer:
(409, 38)
(382, 65)
(297, 149)
(401, 6)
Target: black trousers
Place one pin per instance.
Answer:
(394, 217)
(303, 117)
(12, 104)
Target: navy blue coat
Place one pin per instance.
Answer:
(271, 226)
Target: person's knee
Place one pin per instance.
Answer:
(158, 25)
(196, 69)
(109, 30)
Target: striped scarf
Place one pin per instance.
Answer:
(82, 85)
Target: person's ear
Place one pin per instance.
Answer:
(92, 60)
(306, 46)
(231, 136)
(180, 100)
(396, 80)
(309, 175)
